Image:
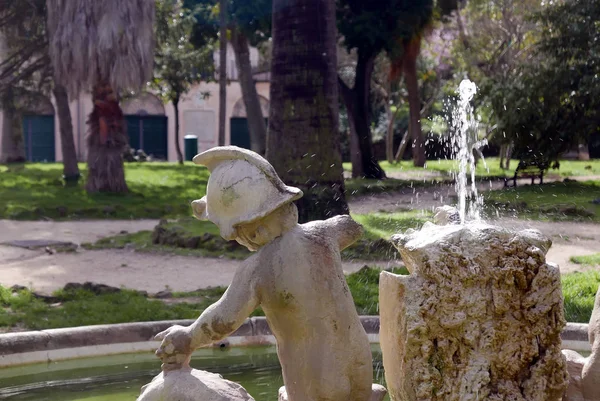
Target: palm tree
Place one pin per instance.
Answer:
(105, 46)
(303, 140)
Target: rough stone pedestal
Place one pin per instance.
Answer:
(478, 318)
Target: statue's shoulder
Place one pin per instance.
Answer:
(334, 226)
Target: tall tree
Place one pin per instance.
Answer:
(250, 24)
(223, 5)
(104, 46)
(303, 139)
(370, 28)
(553, 96)
(406, 65)
(27, 70)
(178, 64)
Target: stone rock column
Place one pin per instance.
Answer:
(478, 318)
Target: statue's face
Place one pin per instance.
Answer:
(259, 233)
(253, 235)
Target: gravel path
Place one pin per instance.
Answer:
(154, 272)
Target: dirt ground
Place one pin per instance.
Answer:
(154, 272)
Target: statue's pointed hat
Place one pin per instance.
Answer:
(243, 187)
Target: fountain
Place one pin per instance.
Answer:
(480, 315)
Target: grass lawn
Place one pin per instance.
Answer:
(80, 307)
(587, 260)
(491, 168)
(554, 201)
(579, 292)
(35, 191)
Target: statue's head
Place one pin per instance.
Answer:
(244, 197)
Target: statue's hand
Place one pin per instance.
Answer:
(175, 350)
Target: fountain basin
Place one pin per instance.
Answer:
(113, 339)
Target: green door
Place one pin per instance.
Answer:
(38, 132)
(240, 134)
(149, 133)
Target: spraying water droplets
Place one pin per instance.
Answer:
(465, 142)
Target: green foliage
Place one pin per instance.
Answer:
(579, 292)
(178, 63)
(375, 26)
(251, 18)
(25, 68)
(537, 67)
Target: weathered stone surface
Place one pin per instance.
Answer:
(188, 384)
(584, 373)
(478, 318)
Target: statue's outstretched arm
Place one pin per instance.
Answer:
(215, 323)
(228, 313)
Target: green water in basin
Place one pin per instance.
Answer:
(120, 377)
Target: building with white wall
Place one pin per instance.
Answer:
(151, 124)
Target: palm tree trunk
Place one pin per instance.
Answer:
(177, 146)
(303, 140)
(69, 155)
(357, 101)
(256, 121)
(222, 70)
(12, 147)
(106, 141)
(414, 105)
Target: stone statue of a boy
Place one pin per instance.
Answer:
(295, 276)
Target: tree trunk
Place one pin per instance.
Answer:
(389, 138)
(502, 154)
(256, 121)
(12, 147)
(69, 155)
(303, 141)
(355, 153)
(414, 105)
(583, 151)
(106, 141)
(508, 155)
(177, 145)
(222, 70)
(403, 145)
(357, 101)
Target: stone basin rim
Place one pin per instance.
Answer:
(22, 348)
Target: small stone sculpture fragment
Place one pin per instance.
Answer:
(182, 383)
(295, 276)
(478, 318)
(584, 373)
